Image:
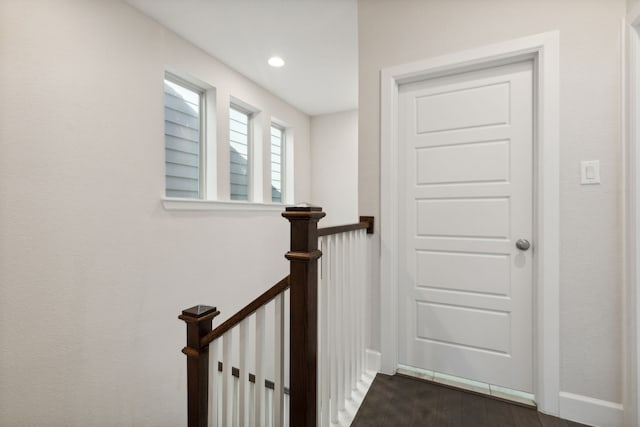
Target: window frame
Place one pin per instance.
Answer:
(202, 139)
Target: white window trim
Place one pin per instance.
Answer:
(287, 173)
(176, 204)
(210, 146)
(289, 162)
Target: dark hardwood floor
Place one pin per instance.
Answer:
(400, 401)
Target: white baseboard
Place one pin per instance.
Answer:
(587, 410)
(374, 360)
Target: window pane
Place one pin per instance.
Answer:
(182, 138)
(276, 164)
(239, 155)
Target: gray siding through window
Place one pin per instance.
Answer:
(239, 154)
(276, 164)
(182, 141)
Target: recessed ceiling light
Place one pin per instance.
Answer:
(276, 61)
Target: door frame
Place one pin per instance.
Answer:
(631, 232)
(543, 49)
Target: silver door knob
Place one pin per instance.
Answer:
(523, 244)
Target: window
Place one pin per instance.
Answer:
(277, 163)
(183, 106)
(196, 174)
(239, 154)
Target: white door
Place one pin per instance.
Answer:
(465, 289)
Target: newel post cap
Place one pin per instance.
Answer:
(199, 313)
(303, 211)
(304, 207)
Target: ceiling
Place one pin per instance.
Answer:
(318, 39)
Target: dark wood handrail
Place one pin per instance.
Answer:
(366, 222)
(245, 312)
(341, 228)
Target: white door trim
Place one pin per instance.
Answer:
(631, 182)
(544, 50)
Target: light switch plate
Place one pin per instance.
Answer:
(590, 172)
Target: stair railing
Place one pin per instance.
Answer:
(343, 276)
(235, 395)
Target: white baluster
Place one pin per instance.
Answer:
(252, 404)
(243, 381)
(278, 391)
(360, 297)
(356, 308)
(348, 315)
(346, 320)
(364, 282)
(259, 388)
(333, 332)
(227, 377)
(352, 310)
(340, 310)
(320, 344)
(354, 314)
(326, 346)
(323, 401)
(346, 308)
(268, 408)
(286, 410)
(353, 278)
(214, 384)
(234, 399)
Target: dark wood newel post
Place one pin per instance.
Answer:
(303, 279)
(198, 319)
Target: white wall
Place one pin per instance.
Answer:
(93, 270)
(334, 166)
(392, 33)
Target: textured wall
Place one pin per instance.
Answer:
(396, 32)
(334, 166)
(93, 270)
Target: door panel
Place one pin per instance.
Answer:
(463, 217)
(464, 166)
(466, 196)
(465, 326)
(456, 271)
(454, 109)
